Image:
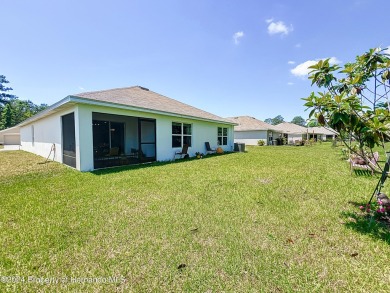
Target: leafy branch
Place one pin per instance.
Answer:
(352, 100)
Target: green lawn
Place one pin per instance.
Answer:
(274, 219)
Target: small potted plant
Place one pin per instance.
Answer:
(199, 155)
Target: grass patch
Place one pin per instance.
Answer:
(273, 219)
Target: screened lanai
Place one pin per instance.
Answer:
(122, 140)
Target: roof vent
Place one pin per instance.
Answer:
(143, 88)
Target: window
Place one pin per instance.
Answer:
(181, 134)
(32, 135)
(222, 135)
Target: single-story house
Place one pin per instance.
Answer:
(321, 133)
(291, 131)
(122, 126)
(250, 130)
(10, 136)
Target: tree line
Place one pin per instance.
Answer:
(13, 110)
(298, 120)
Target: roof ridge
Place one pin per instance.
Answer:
(187, 105)
(109, 90)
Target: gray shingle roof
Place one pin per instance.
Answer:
(143, 98)
(247, 123)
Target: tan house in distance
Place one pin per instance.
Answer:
(321, 133)
(250, 130)
(291, 131)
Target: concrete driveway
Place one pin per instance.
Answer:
(9, 147)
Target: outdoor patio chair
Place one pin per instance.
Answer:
(183, 153)
(114, 151)
(209, 149)
(357, 162)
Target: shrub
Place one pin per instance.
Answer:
(380, 209)
(260, 142)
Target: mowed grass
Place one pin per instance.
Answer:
(273, 219)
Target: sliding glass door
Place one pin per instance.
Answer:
(107, 136)
(147, 141)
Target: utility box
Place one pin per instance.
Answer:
(239, 147)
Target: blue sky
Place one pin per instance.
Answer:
(227, 57)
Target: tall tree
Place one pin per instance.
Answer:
(4, 95)
(298, 120)
(21, 110)
(12, 110)
(276, 120)
(6, 117)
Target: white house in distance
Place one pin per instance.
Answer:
(291, 131)
(250, 130)
(321, 133)
(294, 132)
(10, 136)
(120, 127)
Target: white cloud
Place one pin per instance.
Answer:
(298, 45)
(278, 27)
(237, 36)
(333, 60)
(387, 50)
(301, 70)
(290, 83)
(291, 62)
(81, 88)
(269, 20)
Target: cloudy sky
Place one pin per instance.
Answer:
(227, 57)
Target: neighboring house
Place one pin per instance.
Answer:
(10, 136)
(291, 131)
(322, 133)
(120, 127)
(250, 130)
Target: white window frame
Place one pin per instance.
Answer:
(182, 135)
(222, 136)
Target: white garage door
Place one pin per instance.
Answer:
(12, 139)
